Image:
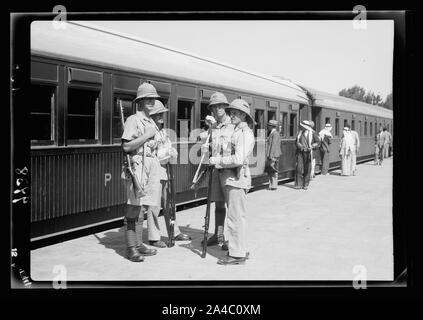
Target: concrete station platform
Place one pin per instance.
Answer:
(317, 234)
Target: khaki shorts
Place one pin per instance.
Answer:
(150, 178)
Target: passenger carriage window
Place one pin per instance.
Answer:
(259, 119)
(82, 117)
(284, 124)
(345, 122)
(360, 132)
(292, 124)
(337, 127)
(42, 114)
(365, 128)
(271, 115)
(128, 109)
(165, 100)
(184, 119)
(327, 120)
(352, 124)
(203, 113)
(371, 129)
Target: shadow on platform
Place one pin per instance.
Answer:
(115, 240)
(195, 244)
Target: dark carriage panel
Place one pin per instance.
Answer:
(74, 180)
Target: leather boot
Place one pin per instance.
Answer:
(133, 255)
(131, 241)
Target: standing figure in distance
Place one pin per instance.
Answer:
(314, 150)
(346, 149)
(325, 136)
(304, 142)
(273, 152)
(354, 154)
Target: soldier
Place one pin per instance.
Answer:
(165, 151)
(221, 137)
(234, 173)
(273, 152)
(305, 142)
(137, 139)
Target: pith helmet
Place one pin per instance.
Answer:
(158, 108)
(146, 90)
(242, 105)
(273, 123)
(217, 98)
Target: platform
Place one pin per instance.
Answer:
(321, 233)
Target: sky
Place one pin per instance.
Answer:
(324, 55)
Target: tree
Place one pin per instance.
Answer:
(358, 93)
(355, 92)
(388, 102)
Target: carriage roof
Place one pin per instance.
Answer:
(332, 101)
(84, 42)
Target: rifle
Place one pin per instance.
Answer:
(207, 216)
(171, 199)
(199, 176)
(127, 163)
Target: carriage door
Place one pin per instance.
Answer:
(316, 118)
(305, 112)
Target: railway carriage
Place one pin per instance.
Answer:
(365, 118)
(80, 74)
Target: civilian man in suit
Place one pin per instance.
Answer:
(273, 152)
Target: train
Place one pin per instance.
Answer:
(81, 73)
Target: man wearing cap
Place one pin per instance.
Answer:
(222, 131)
(233, 167)
(325, 136)
(273, 152)
(164, 152)
(346, 150)
(354, 154)
(138, 140)
(305, 142)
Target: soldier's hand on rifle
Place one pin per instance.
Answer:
(210, 121)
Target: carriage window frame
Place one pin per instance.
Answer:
(293, 128)
(284, 124)
(257, 125)
(337, 127)
(53, 105)
(116, 97)
(191, 120)
(97, 116)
